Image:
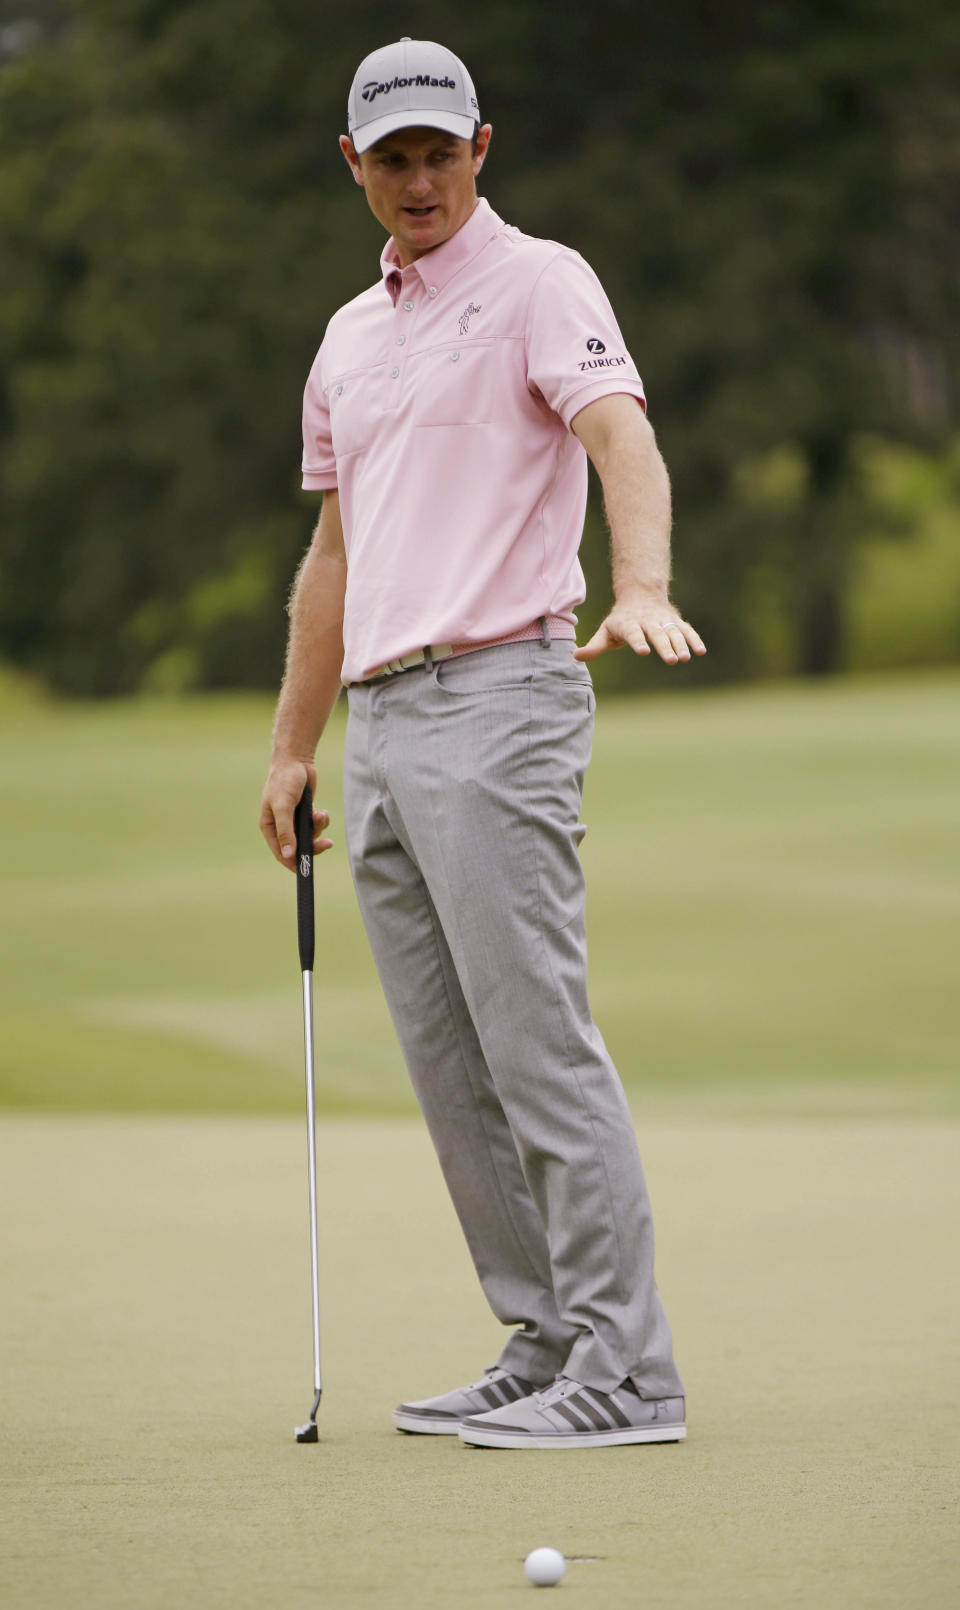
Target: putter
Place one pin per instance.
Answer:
(303, 825)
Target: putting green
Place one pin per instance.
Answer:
(774, 885)
(157, 1341)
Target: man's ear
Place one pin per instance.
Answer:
(352, 160)
(483, 143)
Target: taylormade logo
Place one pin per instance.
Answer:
(418, 81)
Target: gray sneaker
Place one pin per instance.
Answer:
(568, 1415)
(441, 1416)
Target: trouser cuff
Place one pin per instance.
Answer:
(531, 1360)
(593, 1364)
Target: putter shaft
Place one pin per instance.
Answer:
(303, 827)
(312, 1176)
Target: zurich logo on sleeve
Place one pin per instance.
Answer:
(596, 346)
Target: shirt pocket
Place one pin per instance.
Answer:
(352, 399)
(462, 383)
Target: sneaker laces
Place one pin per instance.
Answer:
(495, 1373)
(556, 1391)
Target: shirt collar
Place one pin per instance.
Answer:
(437, 267)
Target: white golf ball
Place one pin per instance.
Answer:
(545, 1567)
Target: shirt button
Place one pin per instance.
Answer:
(454, 356)
(339, 390)
(394, 373)
(408, 306)
(431, 290)
(400, 340)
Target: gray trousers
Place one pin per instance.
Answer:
(462, 786)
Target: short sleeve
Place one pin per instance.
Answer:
(319, 461)
(574, 349)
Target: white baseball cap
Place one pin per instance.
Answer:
(411, 83)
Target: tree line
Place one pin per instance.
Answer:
(768, 193)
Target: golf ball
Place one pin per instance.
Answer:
(545, 1567)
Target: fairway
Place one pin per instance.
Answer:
(774, 908)
(774, 886)
(157, 1358)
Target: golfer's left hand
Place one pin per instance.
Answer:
(645, 624)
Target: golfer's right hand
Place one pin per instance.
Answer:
(281, 795)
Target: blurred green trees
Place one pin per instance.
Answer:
(769, 193)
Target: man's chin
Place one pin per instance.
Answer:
(424, 235)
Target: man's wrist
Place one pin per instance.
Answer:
(642, 596)
(284, 756)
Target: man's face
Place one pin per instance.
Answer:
(420, 184)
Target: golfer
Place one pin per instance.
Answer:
(447, 420)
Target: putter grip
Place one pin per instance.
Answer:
(303, 827)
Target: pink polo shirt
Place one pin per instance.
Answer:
(440, 405)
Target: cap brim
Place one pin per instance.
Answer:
(449, 122)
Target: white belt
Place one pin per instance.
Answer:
(409, 661)
(426, 656)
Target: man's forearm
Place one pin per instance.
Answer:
(636, 492)
(636, 495)
(311, 680)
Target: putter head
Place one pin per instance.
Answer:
(308, 1433)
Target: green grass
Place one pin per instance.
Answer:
(774, 881)
(157, 1357)
(774, 926)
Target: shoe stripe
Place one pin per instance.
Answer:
(491, 1394)
(479, 1424)
(579, 1422)
(594, 1413)
(513, 1388)
(611, 1407)
(425, 1414)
